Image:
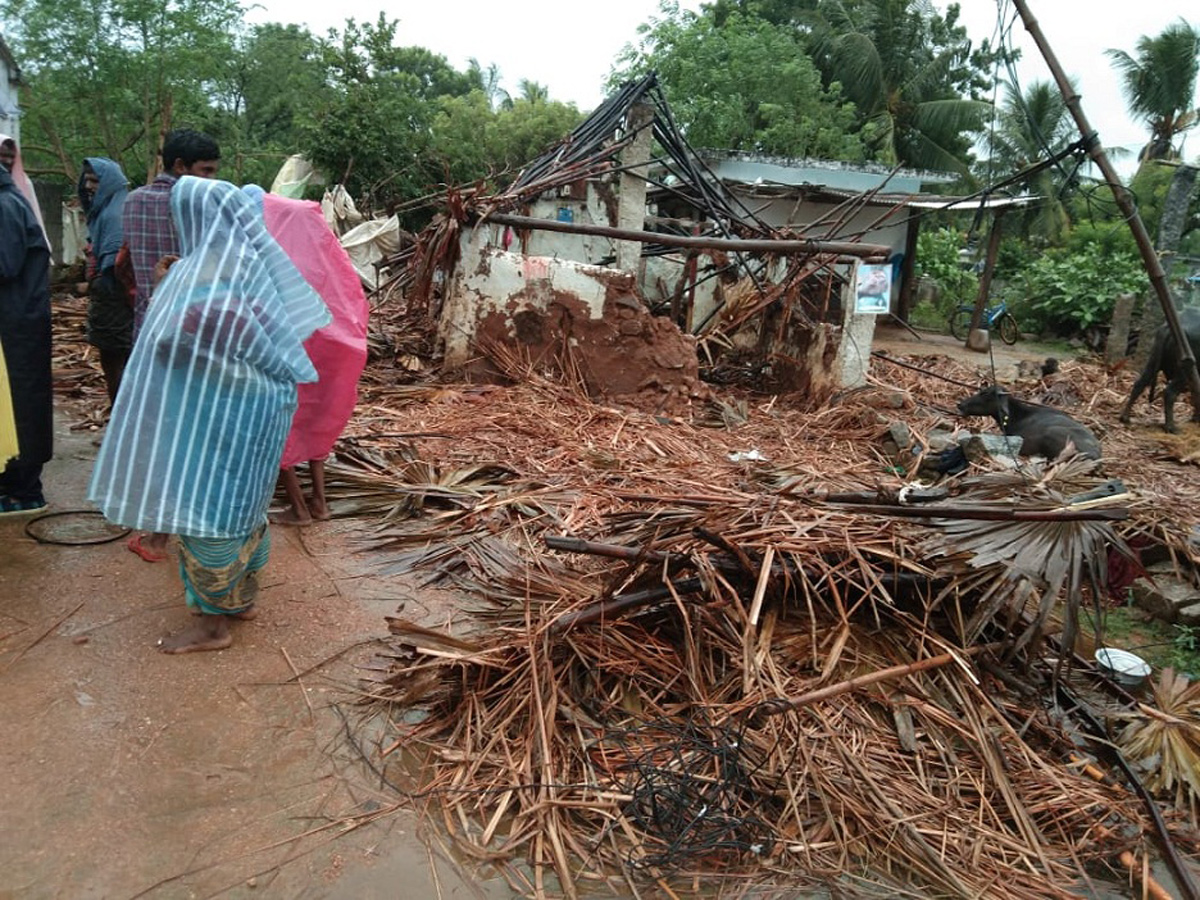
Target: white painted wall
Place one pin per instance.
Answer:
(585, 248)
(10, 121)
(490, 279)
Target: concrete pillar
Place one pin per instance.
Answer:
(854, 351)
(631, 196)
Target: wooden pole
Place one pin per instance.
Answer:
(763, 245)
(1154, 269)
(985, 281)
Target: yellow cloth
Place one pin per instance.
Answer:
(8, 425)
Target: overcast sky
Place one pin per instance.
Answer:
(570, 46)
(1079, 34)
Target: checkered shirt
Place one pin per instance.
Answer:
(150, 234)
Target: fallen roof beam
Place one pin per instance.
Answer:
(752, 245)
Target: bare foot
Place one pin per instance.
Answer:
(210, 633)
(319, 510)
(290, 517)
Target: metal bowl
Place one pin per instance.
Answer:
(1123, 667)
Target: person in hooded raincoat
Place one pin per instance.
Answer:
(102, 193)
(24, 337)
(198, 429)
(339, 350)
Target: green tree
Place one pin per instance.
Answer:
(375, 129)
(471, 141)
(912, 73)
(742, 84)
(532, 92)
(111, 77)
(1160, 85)
(1030, 127)
(489, 78)
(269, 85)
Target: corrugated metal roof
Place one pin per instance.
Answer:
(913, 201)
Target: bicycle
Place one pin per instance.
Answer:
(997, 317)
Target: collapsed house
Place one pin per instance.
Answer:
(703, 653)
(629, 258)
(731, 653)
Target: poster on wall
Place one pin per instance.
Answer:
(873, 289)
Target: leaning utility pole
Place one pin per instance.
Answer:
(1154, 269)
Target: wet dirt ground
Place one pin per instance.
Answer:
(129, 773)
(899, 341)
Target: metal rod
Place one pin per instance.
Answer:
(762, 245)
(1158, 278)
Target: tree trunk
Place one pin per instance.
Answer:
(1170, 232)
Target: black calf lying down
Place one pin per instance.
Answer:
(1043, 431)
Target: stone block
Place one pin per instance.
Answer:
(1165, 597)
(939, 439)
(980, 447)
(900, 435)
(1188, 615)
(979, 341)
(883, 399)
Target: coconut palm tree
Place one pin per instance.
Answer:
(1029, 128)
(1159, 83)
(906, 68)
(532, 91)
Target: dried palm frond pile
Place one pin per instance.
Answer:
(1165, 739)
(743, 656)
(779, 718)
(1142, 455)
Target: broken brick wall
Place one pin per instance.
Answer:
(563, 315)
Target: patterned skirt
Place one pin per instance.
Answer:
(220, 575)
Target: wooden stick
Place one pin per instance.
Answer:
(299, 681)
(622, 603)
(12, 662)
(888, 674)
(995, 515)
(760, 589)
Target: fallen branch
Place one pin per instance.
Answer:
(775, 707)
(624, 603)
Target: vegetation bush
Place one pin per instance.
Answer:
(1068, 291)
(937, 259)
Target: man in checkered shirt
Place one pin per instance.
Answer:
(148, 228)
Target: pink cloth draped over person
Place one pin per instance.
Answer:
(338, 351)
(22, 180)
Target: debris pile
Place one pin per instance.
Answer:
(735, 644)
(725, 647)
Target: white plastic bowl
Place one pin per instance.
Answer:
(1124, 667)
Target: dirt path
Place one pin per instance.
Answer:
(898, 341)
(129, 773)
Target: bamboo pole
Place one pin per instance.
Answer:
(761, 245)
(1154, 269)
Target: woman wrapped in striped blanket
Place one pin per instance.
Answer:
(198, 429)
